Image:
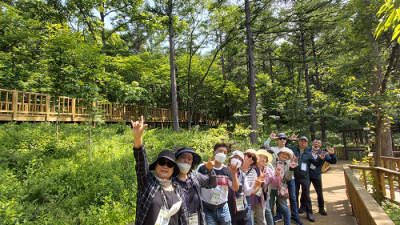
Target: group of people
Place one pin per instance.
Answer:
(177, 188)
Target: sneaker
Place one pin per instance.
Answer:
(296, 220)
(322, 211)
(278, 218)
(301, 210)
(310, 217)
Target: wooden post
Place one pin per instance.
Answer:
(390, 177)
(124, 113)
(14, 104)
(73, 109)
(345, 146)
(110, 111)
(378, 184)
(47, 108)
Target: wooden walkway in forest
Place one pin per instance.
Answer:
(27, 106)
(336, 202)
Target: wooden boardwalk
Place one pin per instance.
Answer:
(336, 202)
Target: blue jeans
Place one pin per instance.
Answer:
(282, 204)
(222, 216)
(292, 198)
(268, 212)
(251, 218)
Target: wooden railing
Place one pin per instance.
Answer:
(344, 152)
(364, 207)
(26, 106)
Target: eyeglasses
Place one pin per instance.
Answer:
(162, 162)
(281, 138)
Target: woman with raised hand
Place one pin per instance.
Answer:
(160, 198)
(248, 169)
(260, 199)
(192, 181)
(237, 202)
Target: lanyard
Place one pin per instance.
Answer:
(164, 198)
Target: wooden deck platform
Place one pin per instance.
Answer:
(35, 107)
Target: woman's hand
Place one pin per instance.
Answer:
(232, 169)
(260, 179)
(279, 170)
(138, 128)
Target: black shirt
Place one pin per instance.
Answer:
(192, 199)
(156, 205)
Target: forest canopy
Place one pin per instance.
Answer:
(317, 65)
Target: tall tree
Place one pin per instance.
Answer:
(252, 75)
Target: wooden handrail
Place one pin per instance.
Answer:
(380, 176)
(28, 106)
(364, 207)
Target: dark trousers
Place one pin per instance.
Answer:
(305, 193)
(317, 183)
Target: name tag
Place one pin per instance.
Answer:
(215, 198)
(258, 193)
(304, 166)
(240, 203)
(162, 218)
(194, 219)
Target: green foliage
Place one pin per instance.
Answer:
(56, 183)
(392, 209)
(390, 14)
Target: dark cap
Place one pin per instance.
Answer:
(281, 135)
(303, 138)
(196, 157)
(168, 155)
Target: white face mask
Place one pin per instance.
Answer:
(184, 167)
(220, 157)
(237, 162)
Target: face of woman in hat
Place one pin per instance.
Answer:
(164, 168)
(249, 159)
(262, 160)
(185, 157)
(283, 156)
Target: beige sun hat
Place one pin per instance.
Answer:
(288, 151)
(254, 153)
(267, 154)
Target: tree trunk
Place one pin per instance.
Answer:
(226, 106)
(318, 85)
(386, 138)
(252, 76)
(278, 124)
(103, 35)
(90, 134)
(175, 118)
(309, 103)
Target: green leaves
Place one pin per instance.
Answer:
(390, 19)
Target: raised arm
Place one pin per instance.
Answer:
(210, 180)
(235, 181)
(142, 165)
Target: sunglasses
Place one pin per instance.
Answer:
(251, 157)
(281, 138)
(162, 162)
